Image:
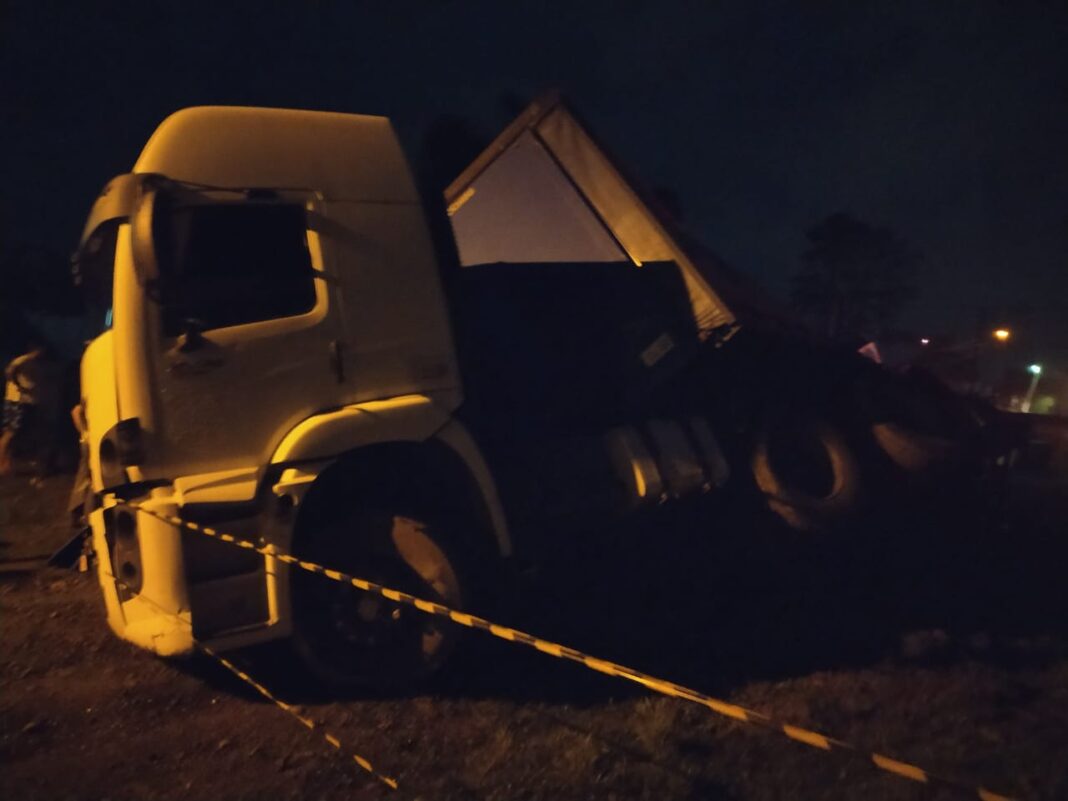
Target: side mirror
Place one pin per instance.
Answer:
(143, 234)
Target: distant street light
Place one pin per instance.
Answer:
(1002, 334)
(1036, 371)
(925, 341)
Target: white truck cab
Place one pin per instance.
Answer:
(278, 360)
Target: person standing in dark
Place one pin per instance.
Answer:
(31, 410)
(12, 419)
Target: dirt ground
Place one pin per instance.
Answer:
(946, 646)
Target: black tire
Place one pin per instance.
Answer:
(924, 432)
(351, 638)
(914, 452)
(807, 473)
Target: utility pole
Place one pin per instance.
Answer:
(1036, 371)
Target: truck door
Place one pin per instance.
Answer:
(247, 343)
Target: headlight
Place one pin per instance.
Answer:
(121, 446)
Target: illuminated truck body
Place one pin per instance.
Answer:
(295, 355)
(301, 349)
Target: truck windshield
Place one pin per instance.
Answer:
(235, 263)
(94, 267)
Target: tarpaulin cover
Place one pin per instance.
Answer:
(545, 192)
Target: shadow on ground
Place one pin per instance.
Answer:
(714, 596)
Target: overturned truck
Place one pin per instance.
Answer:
(298, 347)
(818, 431)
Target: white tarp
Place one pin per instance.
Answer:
(544, 192)
(523, 209)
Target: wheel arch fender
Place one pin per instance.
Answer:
(394, 446)
(406, 418)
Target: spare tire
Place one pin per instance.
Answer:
(807, 473)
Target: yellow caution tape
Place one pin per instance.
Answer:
(307, 722)
(662, 686)
(389, 781)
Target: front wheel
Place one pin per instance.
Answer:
(351, 637)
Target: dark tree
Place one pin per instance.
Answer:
(854, 278)
(36, 278)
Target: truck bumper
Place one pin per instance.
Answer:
(140, 569)
(165, 589)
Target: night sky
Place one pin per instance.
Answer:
(946, 121)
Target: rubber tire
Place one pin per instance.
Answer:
(913, 452)
(910, 426)
(800, 508)
(396, 551)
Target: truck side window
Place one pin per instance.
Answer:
(236, 263)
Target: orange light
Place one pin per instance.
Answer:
(1002, 334)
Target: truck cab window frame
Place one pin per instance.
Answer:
(235, 264)
(94, 273)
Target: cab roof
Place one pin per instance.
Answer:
(342, 156)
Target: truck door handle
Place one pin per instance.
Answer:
(192, 336)
(193, 354)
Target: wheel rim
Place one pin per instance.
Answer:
(351, 636)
